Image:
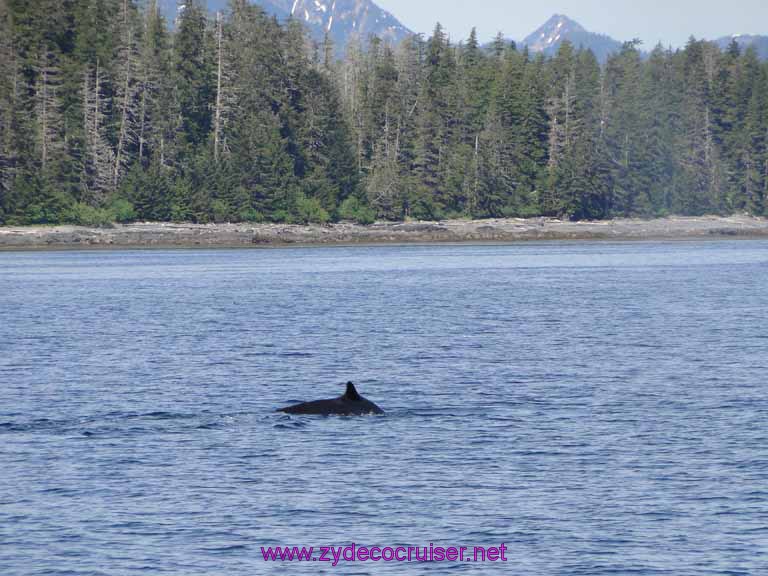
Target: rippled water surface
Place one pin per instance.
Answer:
(599, 408)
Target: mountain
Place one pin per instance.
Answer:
(345, 19)
(559, 28)
(760, 43)
(548, 38)
(341, 19)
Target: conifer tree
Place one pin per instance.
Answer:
(156, 94)
(99, 159)
(560, 112)
(48, 108)
(127, 80)
(8, 105)
(701, 173)
(193, 74)
(625, 133)
(238, 116)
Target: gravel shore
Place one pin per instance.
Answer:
(164, 235)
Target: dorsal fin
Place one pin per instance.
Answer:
(351, 393)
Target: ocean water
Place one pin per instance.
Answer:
(598, 408)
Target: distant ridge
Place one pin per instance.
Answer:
(745, 41)
(548, 38)
(342, 20)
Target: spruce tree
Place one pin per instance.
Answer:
(8, 105)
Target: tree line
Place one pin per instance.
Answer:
(107, 113)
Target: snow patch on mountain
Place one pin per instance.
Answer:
(341, 20)
(559, 28)
(746, 41)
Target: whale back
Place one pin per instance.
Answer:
(350, 404)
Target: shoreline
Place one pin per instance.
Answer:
(171, 235)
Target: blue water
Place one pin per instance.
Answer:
(598, 408)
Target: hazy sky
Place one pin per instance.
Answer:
(666, 21)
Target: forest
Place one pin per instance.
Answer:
(108, 113)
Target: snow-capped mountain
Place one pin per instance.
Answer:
(760, 43)
(340, 19)
(343, 20)
(559, 28)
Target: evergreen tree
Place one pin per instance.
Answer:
(8, 105)
(237, 116)
(658, 119)
(434, 126)
(625, 133)
(379, 127)
(156, 108)
(560, 104)
(585, 172)
(701, 171)
(127, 80)
(193, 75)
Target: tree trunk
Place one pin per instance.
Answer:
(219, 99)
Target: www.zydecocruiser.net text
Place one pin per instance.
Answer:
(356, 553)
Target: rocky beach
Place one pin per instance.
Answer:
(180, 235)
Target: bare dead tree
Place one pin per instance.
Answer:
(127, 94)
(146, 86)
(225, 96)
(99, 160)
(47, 107)
(561, 127)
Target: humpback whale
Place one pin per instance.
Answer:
(350, 404)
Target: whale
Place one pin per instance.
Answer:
(349, 404)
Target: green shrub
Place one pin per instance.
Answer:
(457, 215)
(220, 211)
(86, 215)
(122, 211)
(529, 211)
(281, 217)
(50, 206)
(309, 210)
(179, 212)
(250, 215)
(39, 214)
(510, 211)
(424, 208)
(353, 209)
